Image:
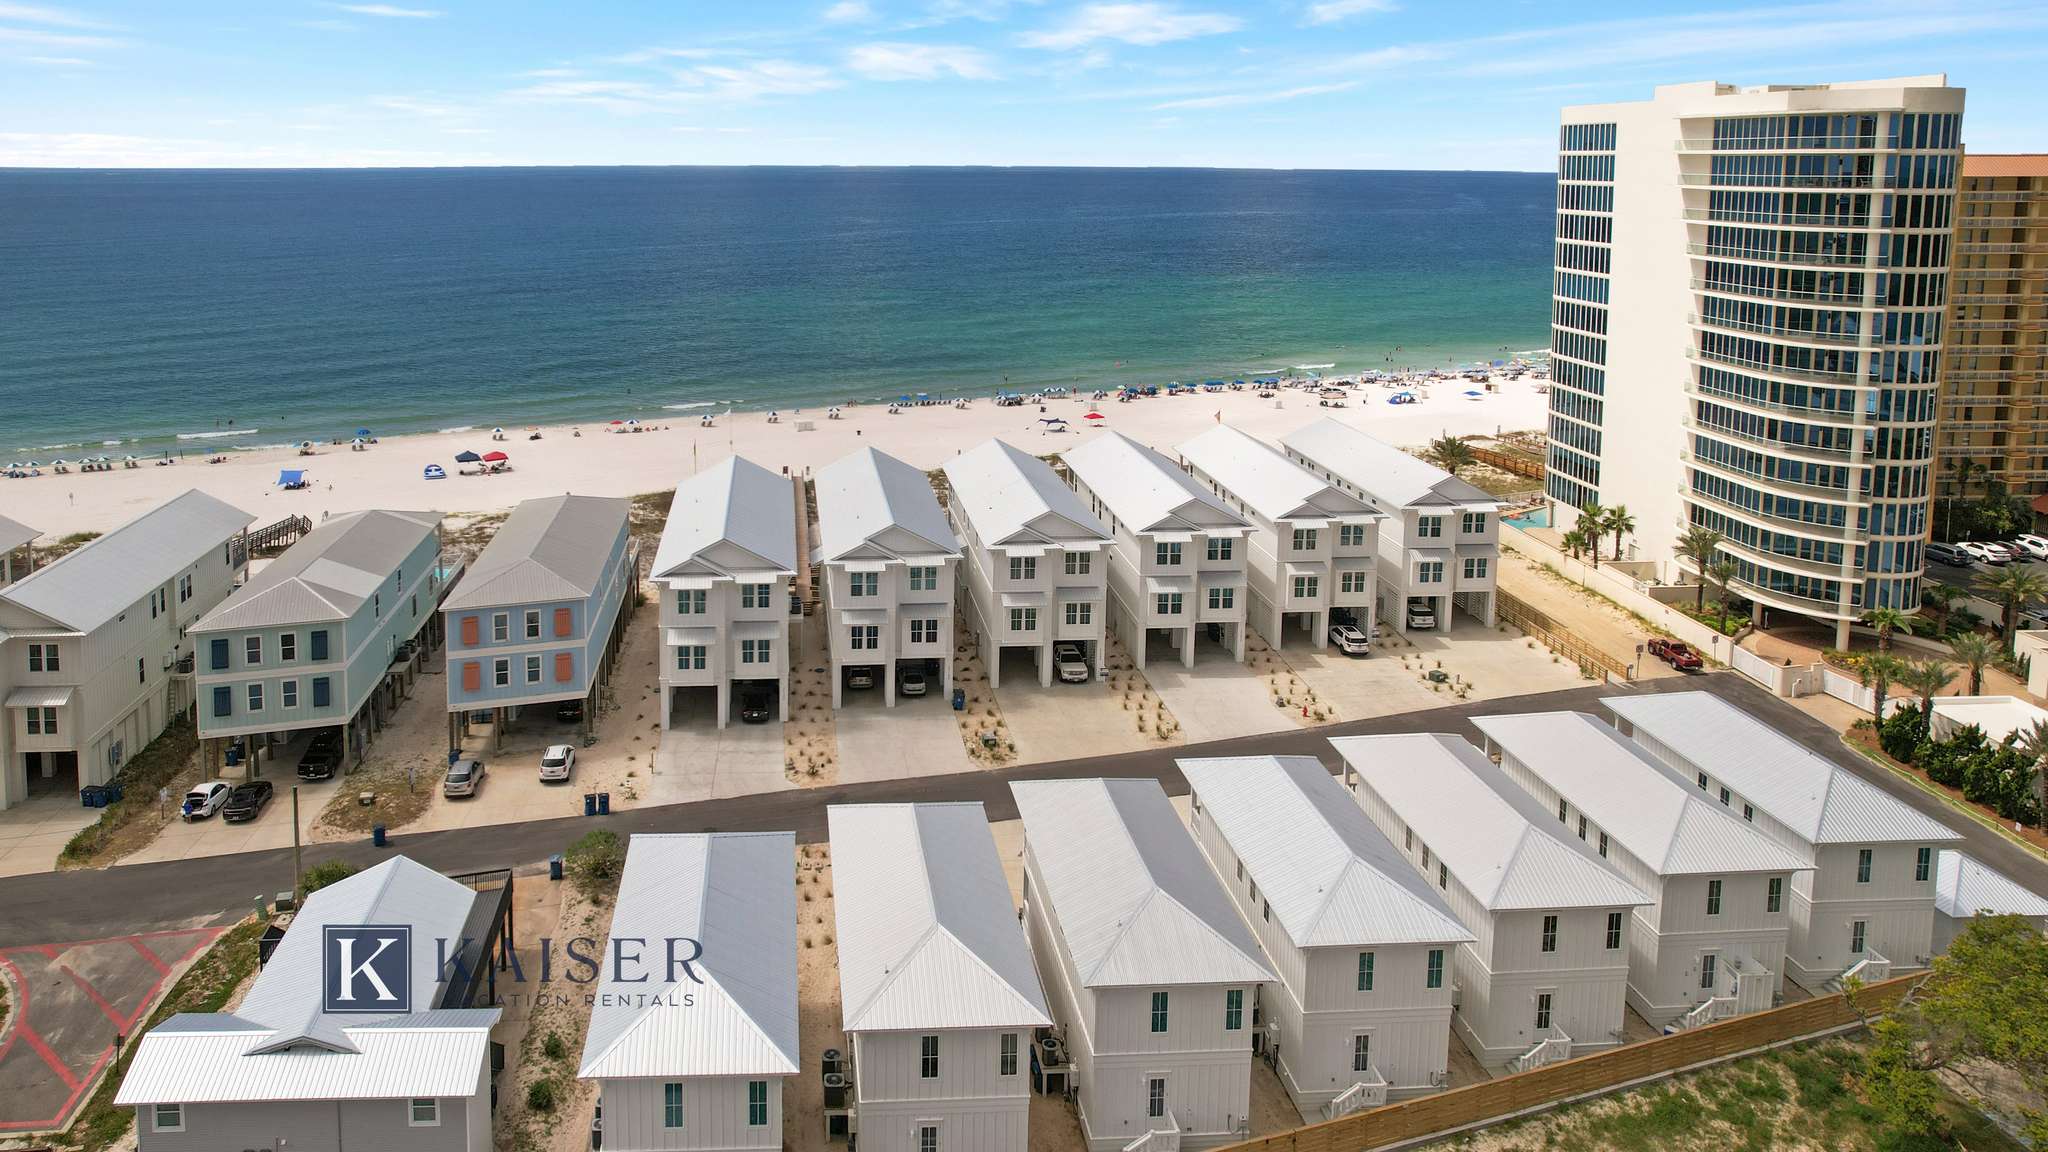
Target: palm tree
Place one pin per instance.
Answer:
(1618, 521)
(1943, 598)
(2015, 588)
(1721, 572)
(1574, 541)
(1926, 679)
(1699, 546)
(1887, 621)
(1964, 468)
(1880, 671)
(1975, 650)
(1592, 518)
(1452, 454)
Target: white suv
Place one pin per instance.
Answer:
(1350, 641)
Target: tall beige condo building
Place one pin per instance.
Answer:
(1747, 332)
(1994, 396)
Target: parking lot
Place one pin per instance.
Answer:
(272, 828)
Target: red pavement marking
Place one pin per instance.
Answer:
(70, 1101)
(119, 1021)
(162, 968)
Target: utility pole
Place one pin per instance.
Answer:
(297, 871)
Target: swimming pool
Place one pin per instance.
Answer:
(1539, 518)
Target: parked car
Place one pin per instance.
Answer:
(1070, 664)
(860, 678)
(1984, 553)
(2000, 553)
(1948, 554)
(569, 712)
(246, 801)
(756, 706)
(1676, 653)
(911, 684)
(463, 778)
(1421, 615)
(1350, 641)
(2032, 545)
(204, 800)
(322, 755)
(557, 762)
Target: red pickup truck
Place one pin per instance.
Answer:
(1676, 653)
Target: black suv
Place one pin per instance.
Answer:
(246, 801)
(322, 756)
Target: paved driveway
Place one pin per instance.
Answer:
(918, 737)
(1216, 699)
(33, 832)
(700, 761)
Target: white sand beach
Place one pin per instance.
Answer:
(599, 462)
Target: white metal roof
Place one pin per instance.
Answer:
(1144, 489)
(1331, 876)
(1997, 716)
(734, 895)
(1818, 800)
(13, 534)
(1134, 900)
(1669, 827)
(1267, 481)
(1393, 477)
(735, 501)
(864, 494)
(104, 577)
(328, 574)
(1500, 844)
(552, 548)
(1964, 887)
(1009, 495)
(928, 936)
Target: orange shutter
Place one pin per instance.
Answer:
(472, 672)
(565, 667)
(561, 621)
(469, 633)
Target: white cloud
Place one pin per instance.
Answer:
(1240, 99)
(655, 55)
(53, 17)
(59, 61)
(849, 12)
(1144, 24)
(885, 60)
(551, 73)
(1332, 11)
(392, 11)
(704, 83)
(53, 39)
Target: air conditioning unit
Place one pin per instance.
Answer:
(1457, 995)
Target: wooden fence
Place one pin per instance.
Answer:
(1555, 1084)
(1592, 661)
(1510, 462)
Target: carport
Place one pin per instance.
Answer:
(1031, 662)
(742, 689)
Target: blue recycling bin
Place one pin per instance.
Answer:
(113, 791)
(555, 866)
(604, 803)
(92, 796)
(959, 699)
(590, 803)
(377, 835)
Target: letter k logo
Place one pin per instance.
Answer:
(367, 968)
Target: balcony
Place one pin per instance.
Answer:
(1801, 259)
(1826, 221)
(1858, 143)
(1833, 378)
(1782, 487)
(1795, 335)
(1830, 417)
(1778, 448)
(1725, 180)
(1784, 563)
(1976, 248)
(1842, 534)
(1743, 290)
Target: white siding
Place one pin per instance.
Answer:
(975, 1106)
(714, 1116)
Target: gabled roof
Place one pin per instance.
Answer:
(735, 501)
(734, 893)
(552, 548)
(1331, 876)
(1500, 844)
(1818, 800)
(1966, 887)
(1145, 490)
(13, 534)
(328, 574)
(1134, 900)
(862, 495)
(1672, 828)
(928, 935)
(1267, 481)
(1011, 496)
(1393, 477)
(104, 577)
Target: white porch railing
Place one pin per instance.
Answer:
(1706, 1012)
(1370, 1092)
(1871, 969)
(1165, 1139)
(1555, 1046)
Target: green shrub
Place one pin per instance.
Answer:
(595, 861)
(324, 873)
(540, 1095)
(553, 1047)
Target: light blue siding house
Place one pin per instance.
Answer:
(539, 617)
(322, 636)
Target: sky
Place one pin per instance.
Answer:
(1411, 84)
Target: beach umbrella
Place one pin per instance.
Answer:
(618, 422)
(357, 442)
(467, 457)
(58, 463)
(1474, 392)
(363, 432)
(1093, 416)
(291, 476)
(1052, 420)
(494, 457)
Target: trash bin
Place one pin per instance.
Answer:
(92, 796)
(234, 755)
(590, 803)
(604, 803)
(555, 866)
(377, 835)
(959, 699)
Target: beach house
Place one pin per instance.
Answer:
(1439, 547)
(1362, 947)
(324, 636)
(1177, 567)
(1867, 903)
(91, 644)
(1309, 559)
(1545, 976)
(1711, 944)
(1153, 976)
(15, 538)
(723, 569)
(889, 560)
(694, 1025)
(936, 987)
(1035, 560)
(407, 1066)
(539, 617)
(1966, 888)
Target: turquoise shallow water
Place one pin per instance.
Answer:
(141, 306)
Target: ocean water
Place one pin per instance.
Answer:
(150, 309)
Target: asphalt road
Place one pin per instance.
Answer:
(66, 906)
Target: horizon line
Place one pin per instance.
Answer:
(24, 168)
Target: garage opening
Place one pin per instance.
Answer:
(1299, 629)
(693, 707)
(51, 774)
(918, 678)
(757, 701)
(1162, 645)
(1018, 664)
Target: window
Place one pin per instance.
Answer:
(1167, 603)
(1077, 563)
(423, 1112)
(1155, 1096)
(533, 669)
(1221, 548)
(1006, 1061)
(288, 646)
(1603, 844)
(1429, 527)
(1429, 572)
(1708, 964)
(1613, 931)
(690, 658)
(924, 631)
(928, 1057)
(1425, 857)
(1443, 875)
(252, 650)
(501, 672)
(1923, 862)
(1159, 1011)
(672, 1105)
(757, 652)
(501, 627)
(1475, 567)
(319, 644)
(689, 601)
(928, 1138)
(1350, 535)
(1563, 806)
(924, 578)
(1582, 826)
(1749, 813)
(1863, 865)
(1023, 619)
(1542, 1011)
(43, 721)
(1361, 1053)
(1023, 567)
(1365, 971)
(1550, 933)
(1233, 1010)
(1435, 973)
(1304, 539)
(757, 1103)
(43, 657)
(533, 623)
(1266, 911)
(1774, 896)
(255, 697)
(1080, 612)
(1724, 797)
(141, 672)
(1407, 838)
(184, 588)
(1856, 935)
(863, 583)
(168, 1118)
(1307, 587)
(865, 636)
(1166, 555)
(1702, 778)
(756, 595)
(1472, 523)
(1713, 897)
(1222, 598)
(216, 655)
(288, 693)
(322, 691)
(1351, 581)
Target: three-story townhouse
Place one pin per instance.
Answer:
(889, 557)
(15, 537)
